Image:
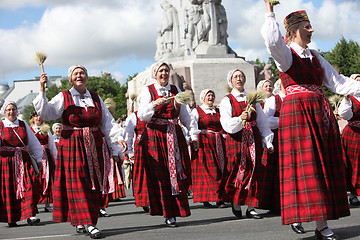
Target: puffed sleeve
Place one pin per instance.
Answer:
(52, 146)
(269, 111)
(49, 111)
(189, 122)
(108, 125)
(230, 124)
(130, 132)
(263, 125)
(345, 109)
(34, 145)
(146, 109)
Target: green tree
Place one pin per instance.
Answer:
(345, 57)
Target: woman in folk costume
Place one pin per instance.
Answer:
(164, 155)
(135, 170)
(266, 86)
(349, 110)
(82, 171)
(272, 109)
(312, 179)
(17, 200)
(207, 164)
(243, 174)
(56, 127)
(46, 176)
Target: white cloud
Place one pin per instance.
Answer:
(101, 34)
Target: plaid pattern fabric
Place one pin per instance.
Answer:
(12, 209)
(228, 191)
(119, 188)
(74, 199)
(206, 171)
(351, 148)
(152, 166)
(140, 186)
(312, 175)
(48, 196)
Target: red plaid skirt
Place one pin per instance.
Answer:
(12, 209)
(228, 192)
(151, 166)
(48, 196)
(119, 188)
(351, 146)
(74, 199)
(312, 175)
(206, 172)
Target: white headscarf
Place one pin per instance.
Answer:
(353, 76)
(73, 67)
(4, 106)
(155, 67)
(230, 74)
(203, 94)
(261, 84)
(54, 125)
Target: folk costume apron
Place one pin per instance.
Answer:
(17, 194)
(209, 161)
(350, 140)
(82, 165)
(166, 160)
(312, 179)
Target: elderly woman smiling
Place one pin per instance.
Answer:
(80, 176)
(17, 200)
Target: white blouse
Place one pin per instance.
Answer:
(270, 109)
(51, 141)
(234, 124)
(34, 145)
(345, 109)
(52, 110)
(283, 58)
(131, 122)
(146, 110)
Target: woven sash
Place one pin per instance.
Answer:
(45, 168)
(247, 142)
(354, 123)
(92, 158)
(219, 147)
(175, 166)
(293, 89)
(19, 168)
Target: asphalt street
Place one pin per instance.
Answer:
(129, 222)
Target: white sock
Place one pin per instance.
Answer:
(33, 218)
(90, 229)
(323, 228)
(237, 207)
(296, 224)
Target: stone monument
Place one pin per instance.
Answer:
(193, 39)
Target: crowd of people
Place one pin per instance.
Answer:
(278, 149)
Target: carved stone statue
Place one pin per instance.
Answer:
(266, 73)
(191, 27)
(169, 29)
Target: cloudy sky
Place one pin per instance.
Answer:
(118, 36)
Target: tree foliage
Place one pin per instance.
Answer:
(345, 57)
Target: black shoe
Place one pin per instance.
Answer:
(253, 214)
(80, 229)
(354, 201)
(94, 233)
(47, 209)
(237, 213)
(220, 205)
(170, 224)
(319, 236)
(13, 224)
(146, 209)
(33, 221)
(298, 228)
(103, 213)
(207, 205)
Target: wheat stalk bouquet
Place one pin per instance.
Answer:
(252, 98)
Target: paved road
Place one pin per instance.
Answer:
(129, 222)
